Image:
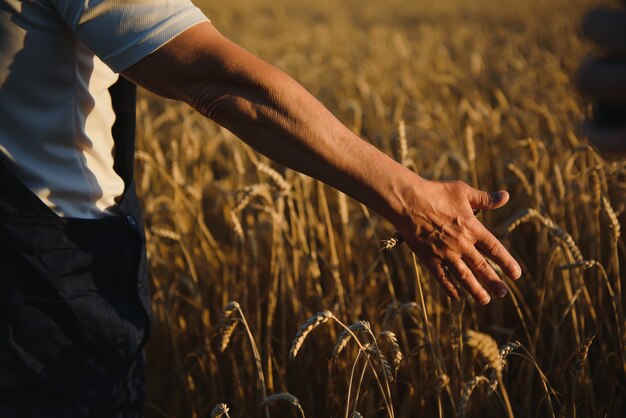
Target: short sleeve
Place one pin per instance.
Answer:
(123, 32)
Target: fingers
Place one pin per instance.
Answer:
(442, 277)
(494, 249)
(469, 282)
(485, 200)
(607, 28)
(483, 270)
(604, 78)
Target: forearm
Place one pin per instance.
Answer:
(274, 114)
(280, 119)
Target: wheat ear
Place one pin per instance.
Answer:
(582, 355)
(529, 214)
(504, 352)
(466, 393)
(226, 330)
(306, 328)
(220, 410)
(276, 177)
(614, 225)
(389, 244)
(394, 352)
(344, 337)
(486, 347)
(283, 397)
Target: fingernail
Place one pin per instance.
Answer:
(495, 196)
(485, 299)
(502, 291)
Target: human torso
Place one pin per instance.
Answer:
(55, 107)
(55, 112)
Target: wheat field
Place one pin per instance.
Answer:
(244, 253)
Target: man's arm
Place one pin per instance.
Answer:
(276, 116)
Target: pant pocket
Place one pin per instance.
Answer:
(90, 294)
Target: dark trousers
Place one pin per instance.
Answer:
(74, 309)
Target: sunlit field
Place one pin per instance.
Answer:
(477, 90)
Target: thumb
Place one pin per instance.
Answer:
(487, 200)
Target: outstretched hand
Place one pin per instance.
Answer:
(441, 229)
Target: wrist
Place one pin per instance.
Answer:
(407, 189)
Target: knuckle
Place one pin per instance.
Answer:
(483, 266)
(467, 277)
(458, 185)
(496, 249)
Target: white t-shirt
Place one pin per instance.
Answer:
(57, 60)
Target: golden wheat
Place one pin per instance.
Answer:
(306, 328)
(478, 90)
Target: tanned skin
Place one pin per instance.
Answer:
(277, 117)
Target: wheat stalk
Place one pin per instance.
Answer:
(443, 380)
(507, 349)
(283, 397)
(520, 218)
(466, 393)
(614, 225)
(530, 214)
(585, 264)
(486, 347)
(389, 244)
(381, 361)
(504, 352)
(395, 354)
(276, 177)
(344, 337)
(306, 328)
(236, 225)
(248, 194)
(324, 316)
(528, 188)
(165, 233)
(403, 150)
(342, 201)
(226, 330)
(230, 308)
(226, 326)
(220, 410)
(582, 355)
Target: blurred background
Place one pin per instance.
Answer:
(477, 90)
